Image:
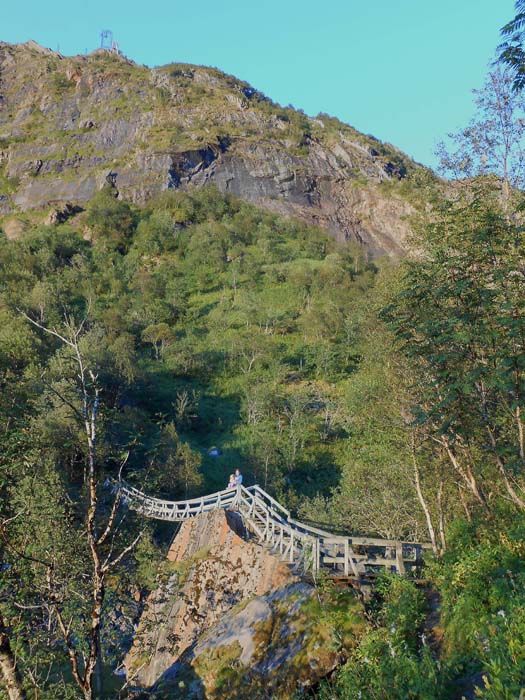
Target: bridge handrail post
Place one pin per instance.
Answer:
(274, 524)
(237, 499)
(400, 564)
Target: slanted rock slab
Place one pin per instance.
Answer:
(231, 621)
(211, 570)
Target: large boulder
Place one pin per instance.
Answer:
(230, 619)
(211, 569)
(274, 646)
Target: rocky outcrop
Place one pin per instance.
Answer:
(66, 123)
(59, 216)
(273, 647)
(230, 619)
(213, 569)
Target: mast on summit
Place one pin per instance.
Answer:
(107, 42)
(106, 39)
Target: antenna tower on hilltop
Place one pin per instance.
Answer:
(107, 42)
(106, 39)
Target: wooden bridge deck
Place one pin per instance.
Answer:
(308, 549)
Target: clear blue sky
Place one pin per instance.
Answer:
(402, 70)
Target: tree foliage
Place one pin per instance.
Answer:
(203, 321)
(209, 323)
(493, 143)
(511, 51)
(461, 318)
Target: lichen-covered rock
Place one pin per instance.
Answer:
(270, 648)
(277, 643)
(231, 622)
(211, 569)
(65, 122)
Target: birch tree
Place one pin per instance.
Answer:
(101, 525)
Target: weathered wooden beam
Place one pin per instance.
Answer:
(272, 523)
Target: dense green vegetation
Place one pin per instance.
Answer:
(207, 319)
(211, 324)
(201, 322)
(336, 384)
(175, 342)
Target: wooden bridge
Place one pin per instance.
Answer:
(309, 549)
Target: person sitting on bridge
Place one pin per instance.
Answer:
(231, 483)
(238, 477)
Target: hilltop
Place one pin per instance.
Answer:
(70, 124)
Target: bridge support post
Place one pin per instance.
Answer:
(316, 555)
(400, 564)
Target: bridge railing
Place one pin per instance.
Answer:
(266, 498)
(320, 549)
(175, 510)
(307, 547)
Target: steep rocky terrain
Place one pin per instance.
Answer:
(228, 614)
(69, 125)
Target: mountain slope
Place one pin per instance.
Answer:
(68, 125)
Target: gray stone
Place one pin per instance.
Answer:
(70, 121)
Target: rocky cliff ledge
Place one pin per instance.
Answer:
(70, 124)
(231, 621)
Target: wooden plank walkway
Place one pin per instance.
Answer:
(308, 549)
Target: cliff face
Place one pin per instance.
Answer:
(230, 620)
(68, 125)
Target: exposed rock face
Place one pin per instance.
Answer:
(272, 647)
(58, 216)
(67, 124)
(231, 620)
(214, 570)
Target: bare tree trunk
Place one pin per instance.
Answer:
(476, 488)
(501, 467)
(266, 463)
(10, 674)
(521, 437)
(467, 475)
(464, 504)
(441, 512)
(99, 678)
(423, 502)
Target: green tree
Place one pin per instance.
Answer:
(461, 318)
(494, 141)
(100, 546)
(160, 336)
(511, 51)
(112, 220)
(175, 467)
